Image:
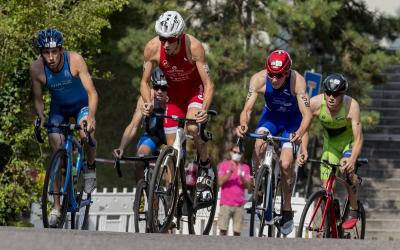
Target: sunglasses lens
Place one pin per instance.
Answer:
(277, 76)
(167, 39)
(162, 88)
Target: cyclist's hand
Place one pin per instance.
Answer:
(302, 158)
(91, 124)
(241, 130)
(347, 166)
(296, 137)
(118, 152)
(201, 116)
(147, 108)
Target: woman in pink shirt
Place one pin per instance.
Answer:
(233, 178)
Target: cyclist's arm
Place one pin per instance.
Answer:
(255, 87)
(87, 83)
(304, 104)
(354, 115)
(199, 56)
(131, 129)
(150, 52)
(37, 92)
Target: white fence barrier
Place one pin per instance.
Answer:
(112, 211)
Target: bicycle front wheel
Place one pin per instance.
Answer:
(358, 231)
(54, 195)
(204, 212)
(259, 204)
(80, 218)
(313, 223)
(163, 193)
(140, 207)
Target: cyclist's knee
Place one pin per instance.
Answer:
(193, 130)
(285, 166)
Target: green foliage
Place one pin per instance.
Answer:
(328, 36)
(81, 23)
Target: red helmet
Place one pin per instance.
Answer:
(278, 62)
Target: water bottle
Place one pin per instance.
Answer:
(191, 171)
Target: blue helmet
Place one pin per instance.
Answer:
(49, 38)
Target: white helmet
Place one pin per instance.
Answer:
(170, 24)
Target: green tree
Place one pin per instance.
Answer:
(81, 23)
(325, 35)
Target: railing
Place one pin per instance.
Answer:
(112, 211)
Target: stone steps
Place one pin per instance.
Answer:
(387, 94)
(382, 213)
(379, 183)
(381, 144)
(385, 111)
(378, 153)
(390, 85)
(381, 234)
(387, 224)
(380, 203)
(383, 193)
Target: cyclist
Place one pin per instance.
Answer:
(182, 59)
(148, 143)
(286, 111)
(339, 115)
(66, 76)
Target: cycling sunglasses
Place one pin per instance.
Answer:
(162, 88)
(334, 94)
(171, 39)
(276, 76)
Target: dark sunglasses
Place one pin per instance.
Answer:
(276, 76)
(334, 94)
(171, 39)
(162, 88)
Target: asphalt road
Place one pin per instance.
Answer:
(45, 239)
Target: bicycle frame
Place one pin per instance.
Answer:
(329, 201)
(71, 142)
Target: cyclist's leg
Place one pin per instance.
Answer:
(56, 141)
(90, 151)
(90, 171)
(194, 105)
(331, 154)
(265, 125)
(352, 178)
(145, 146)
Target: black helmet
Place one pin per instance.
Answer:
(158, 78)
(336, 83)
(49, 38)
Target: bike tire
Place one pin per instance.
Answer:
(80, 218)
(166, 192)
(257, 218)
(307, 214)
(140, 207)
(207, 211)
(358, 232)
(55, 175)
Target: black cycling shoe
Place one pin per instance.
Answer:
(286, 223)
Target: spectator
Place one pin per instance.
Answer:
(233, 178)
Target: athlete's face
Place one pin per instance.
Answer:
(333, 100)
(277, 80)
(160, 93)
(170, 44)
(52, 56)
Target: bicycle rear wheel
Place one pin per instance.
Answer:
(54, 196)
(80, 218)
(204, 212)
(358, 231)
(163, 193)
(259, 204)
(313, 224)
(140, 207)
